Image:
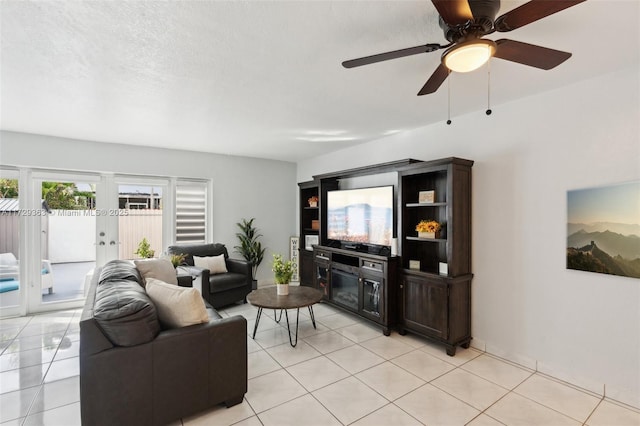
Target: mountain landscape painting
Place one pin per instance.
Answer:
(603, 230)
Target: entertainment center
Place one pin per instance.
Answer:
(360, 247)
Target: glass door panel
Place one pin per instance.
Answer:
(10, 223)
(140, 220)
(67, 239)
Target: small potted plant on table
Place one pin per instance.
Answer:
(283, 273)
(428, 229)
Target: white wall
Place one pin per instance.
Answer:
(242, 187)
(578, 326)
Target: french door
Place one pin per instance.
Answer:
(88, 220)
(63, 246)
(57, 227)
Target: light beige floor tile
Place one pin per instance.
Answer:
(15, 405)
(387, 347)
(272, 337)
(473, 390)
(13, 380)
(390, 381)
(608, 414)
(432, 406)
(462, 355)
(336, 321)
(355, 358)
(560, 397)
(266, 323)
(321, 310)
(303, 411)
(68, 415)
(361, 399)
(272, 389)
(497, 371)
(410, 339)
(221, 415)
(317, 373)
(57, 394)
(484, 420)
(251, 421)
(28, 358)
(387, 416)
(259, 363)
(252, 345)
(286, 355)
(516, 410)
(360, 332)
(63, 369)
(422, 365)
(328, 342)
(305, 328)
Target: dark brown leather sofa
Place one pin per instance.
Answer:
(133, 372)
(222, 289)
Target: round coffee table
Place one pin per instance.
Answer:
(298, 297)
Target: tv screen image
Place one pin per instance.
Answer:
(363, 215)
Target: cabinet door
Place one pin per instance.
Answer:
(425, 306)
(306, 268)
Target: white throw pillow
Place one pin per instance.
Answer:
(177, 306)
(161, 269)
(215, 264)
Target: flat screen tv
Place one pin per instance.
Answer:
(363, 215)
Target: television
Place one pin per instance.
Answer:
(361, 216)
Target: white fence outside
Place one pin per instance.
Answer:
(72, 234)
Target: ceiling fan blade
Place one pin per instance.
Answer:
(390, 55)
(435, 81)
(531, 12)
(453, 12)
(530, 54)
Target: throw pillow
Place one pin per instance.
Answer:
(215, 264)
(176, 306)
(160, 269)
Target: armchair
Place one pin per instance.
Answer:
(218, 289)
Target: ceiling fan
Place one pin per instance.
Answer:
(465, 23)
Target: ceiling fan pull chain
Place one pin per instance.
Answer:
(488, 112)
(449, 97)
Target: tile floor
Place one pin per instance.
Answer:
(345, 372)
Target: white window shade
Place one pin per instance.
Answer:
(191, 212)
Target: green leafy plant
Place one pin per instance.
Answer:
(144, 249)
(250, 248)
(283, 270)
(177, 259)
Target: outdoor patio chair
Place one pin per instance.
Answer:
(10, 271)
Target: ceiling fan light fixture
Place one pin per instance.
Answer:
(468, 56)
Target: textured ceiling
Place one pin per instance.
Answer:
(262, 78)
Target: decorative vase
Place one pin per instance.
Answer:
(428, 235)
(283, 289)
(313, 204)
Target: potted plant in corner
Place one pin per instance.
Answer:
(144, 250)
(250, 248)
(283, 273)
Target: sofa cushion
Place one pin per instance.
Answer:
(160, 269)
(177, 306)
(119, 270)
(223, 282)
(215, 264)
(125, 313)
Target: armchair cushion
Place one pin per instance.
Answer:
(177, 306)
(160, 269)
(215, 264)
